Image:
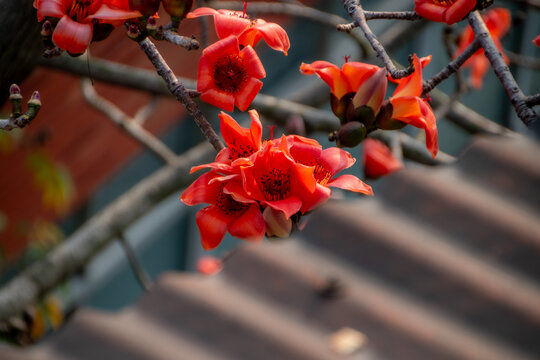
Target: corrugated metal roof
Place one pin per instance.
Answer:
(441, 264)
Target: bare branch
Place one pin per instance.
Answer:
(355, 11)
(451, 68)
(74, 253)
(517, 98)
(179, 91)
(126, 123)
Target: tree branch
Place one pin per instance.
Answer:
(452, 67)
(355, 11)
(16, 119)
(128, 124)
(179, 91)
(74, 253)
(533, 100)
(517, 98)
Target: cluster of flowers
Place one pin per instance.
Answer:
(257, 187)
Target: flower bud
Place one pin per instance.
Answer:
(384, 119)
(35, 99)
(363, 114)
(295, 125)
(46, 29)
(133, 32)
(151, 24)
(277, 223)
(351, 134)
(145, 7)
(178, 9)
(15, 92)
(372, 91)
(340, 106)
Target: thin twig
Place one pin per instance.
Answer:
(145, 111)
(126, 123)
(523, 60)
(140, 273)
(451, 68)
(355, 11)
(179, 91)
(517, 98)
(388, 15)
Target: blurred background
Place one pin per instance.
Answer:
(458, 256)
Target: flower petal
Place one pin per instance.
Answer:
(202, 11)
(249, 226)
(52, 8)
(212, 224)
(458, 11)
(330, 74)
(378, 159)
(227, 25)
(201, 191)
(277, 224)
(107, 14)
(247, 94)
(220, 99)
(415, 111)
(222, 48)
(356, 73)
(429, 10)
(351, 183)
(335, 159)
(412, 84)
(274, 35)
(252, 63)
(288, 206)
(72, 36)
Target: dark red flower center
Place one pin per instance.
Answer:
(275, 185)
(79, 9)
(444, 2)
(230, 73)
(228, 205)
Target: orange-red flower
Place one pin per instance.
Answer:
(341, 81)
(498, 22)
(78, 19)
(249, 31)
(378, 159)
(447, 11)
(229, 76)
(408, 107)
(536, 41)
(359, 85)
(241, 219)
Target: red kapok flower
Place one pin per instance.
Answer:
(536, 41)
(249, 31)
(241, 219)
(229, 76)
(408, 107)
(75, 29)
(378, 159)
(447, 11)
(498, 22)
(274, 179)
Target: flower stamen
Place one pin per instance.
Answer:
(275, 185)
(227, 204)
(79, 9)
(230, 74)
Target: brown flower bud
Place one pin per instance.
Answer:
(178, 9)
(145, 7)
(351, 134)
